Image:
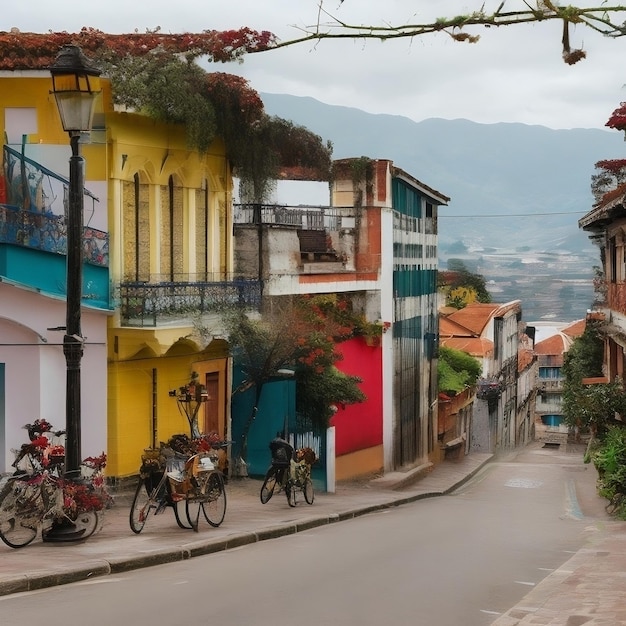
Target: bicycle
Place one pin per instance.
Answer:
(188, 484)
(59, 509)
(288, 474)
(38, 499)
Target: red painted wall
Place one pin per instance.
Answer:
(360, 426)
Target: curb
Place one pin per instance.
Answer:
(86, 570)
(116, 565)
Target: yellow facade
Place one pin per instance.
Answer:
(169, 219)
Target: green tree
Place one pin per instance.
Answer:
(590, 408)
(301, 335)
(178, 91)
(456, 370)
(463, 286)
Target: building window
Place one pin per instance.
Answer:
(550, 373)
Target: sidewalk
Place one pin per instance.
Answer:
(589, 589)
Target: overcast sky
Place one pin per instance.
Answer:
(514, 74)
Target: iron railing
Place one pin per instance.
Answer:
(48, 232)
(152, 304)
(304, 217)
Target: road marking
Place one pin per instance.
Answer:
(524, 483)
(490, 612)
(571, 501)
(524, 582)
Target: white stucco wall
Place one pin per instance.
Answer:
(35, 370)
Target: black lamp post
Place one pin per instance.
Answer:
(75, 85)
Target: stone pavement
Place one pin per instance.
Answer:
(588, 589)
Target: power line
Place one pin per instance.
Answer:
(442, 215)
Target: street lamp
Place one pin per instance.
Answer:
(75, 85)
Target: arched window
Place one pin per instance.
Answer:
(136, 230)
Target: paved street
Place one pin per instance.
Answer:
(589, 586)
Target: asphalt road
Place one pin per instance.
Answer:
(458, 560)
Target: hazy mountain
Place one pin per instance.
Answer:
(516, 190)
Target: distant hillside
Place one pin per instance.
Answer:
(488, 170)
(516, 192)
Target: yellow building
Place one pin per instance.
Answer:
(169, 220)
(171, 242)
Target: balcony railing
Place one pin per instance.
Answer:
(304, 217)
(152, 304)
(48, 233)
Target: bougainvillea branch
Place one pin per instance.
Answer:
(601, 19)
(618, 118)
(19, 51)
(37, 50)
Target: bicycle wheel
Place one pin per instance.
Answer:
(214, 507)
(307, 490)
(290, 492)
(196, 498)
(140, 508)
(20, 515)
(267, 489)
(87, 522)
(180, 513)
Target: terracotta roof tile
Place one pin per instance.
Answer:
(474, 346)
(555, 344)
(575, 329)
(449, 328)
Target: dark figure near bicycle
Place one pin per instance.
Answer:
(289, 471)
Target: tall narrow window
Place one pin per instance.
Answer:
(202, 234)
(613, 253)
(170, 190)
(137, 246)
(172, 232)
(136, 230)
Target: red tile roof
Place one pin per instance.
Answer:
(474, 346)
(555, 344)
(575, 329)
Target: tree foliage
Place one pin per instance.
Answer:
(610, 174)
(456, 370)
(590, 408)
(461, 286)
(37, 50)
(301, 335)
(609, 459)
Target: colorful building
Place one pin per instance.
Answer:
(33, 246)
(375, 242)
(153, 282)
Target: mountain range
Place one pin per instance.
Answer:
(516, 193)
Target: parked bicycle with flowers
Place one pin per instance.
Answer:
(183, 474)
(290, 471)
(38, 500)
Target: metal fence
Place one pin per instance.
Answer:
(304, 217)
(147, 304)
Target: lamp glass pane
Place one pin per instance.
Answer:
(76, 109)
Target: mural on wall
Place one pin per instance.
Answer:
(33, 214)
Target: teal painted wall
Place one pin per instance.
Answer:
(277, 406)
(46, 272)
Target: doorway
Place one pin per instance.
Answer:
(211, 406)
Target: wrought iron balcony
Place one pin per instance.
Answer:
(158, 303)
(47, 232)
(302, 217)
